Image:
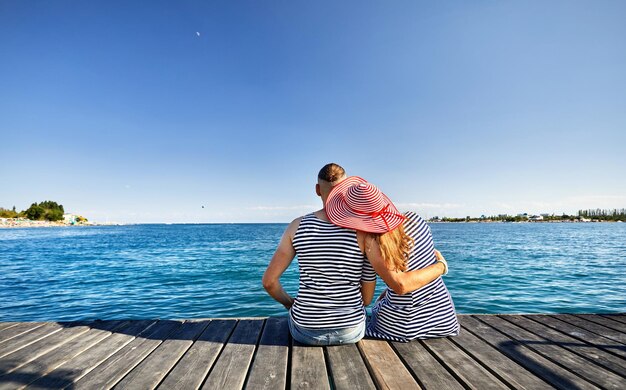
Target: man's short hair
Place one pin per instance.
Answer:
(331, 173)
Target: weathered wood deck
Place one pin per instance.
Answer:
(505, 351)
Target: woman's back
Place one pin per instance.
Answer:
(424, 313)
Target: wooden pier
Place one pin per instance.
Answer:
(493, 351)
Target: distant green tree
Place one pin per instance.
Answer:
(54, 215)
(50, 205)
(604, 215)
(4, 213)
(48, 210)
(35, 212)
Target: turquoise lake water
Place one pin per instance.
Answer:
(198, 271)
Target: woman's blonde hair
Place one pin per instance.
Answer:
(394, 246)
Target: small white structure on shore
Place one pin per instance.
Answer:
(74, 219)
(69, 219)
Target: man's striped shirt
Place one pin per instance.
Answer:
(331, 268)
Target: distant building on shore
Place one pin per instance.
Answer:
(73, 219)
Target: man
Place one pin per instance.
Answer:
(329, 307)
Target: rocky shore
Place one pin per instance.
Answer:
(24, 222)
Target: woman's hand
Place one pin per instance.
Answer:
(442, 260)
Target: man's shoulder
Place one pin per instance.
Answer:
(293, 226)
(297, 221)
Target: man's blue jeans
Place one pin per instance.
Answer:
(313, 336)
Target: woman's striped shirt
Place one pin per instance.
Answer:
(424, 313)
(331, 268)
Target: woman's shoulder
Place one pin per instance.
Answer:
(413, 217)
(415, 225)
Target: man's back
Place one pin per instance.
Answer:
(331, 266)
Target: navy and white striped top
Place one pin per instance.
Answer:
(424, 313)
(331, 268)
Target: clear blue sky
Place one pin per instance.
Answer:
(146, 111)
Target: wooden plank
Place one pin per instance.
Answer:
(269, 368)
(4, 325)
(190, 371)
(497, 363)
(37, 368)
(607, 322)
(308, 367)
(428, 371)
(590, 351)
(466, 369)
(387, 369)
(347, 368)
(22, 356)
(565, 358)
(18, 329)
(567, 351)
(151, 371)
(595, 328)
(574, 331)
(229, 372)
(112, 370)
(552, 373)
(75, 368)
(616, 317)
(27, 338)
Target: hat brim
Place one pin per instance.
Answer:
(340, 214)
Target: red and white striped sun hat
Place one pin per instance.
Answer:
(356, 204)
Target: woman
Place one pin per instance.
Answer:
(394, 243)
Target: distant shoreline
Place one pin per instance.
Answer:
(7, 223)
(13, 223)
(561, 221)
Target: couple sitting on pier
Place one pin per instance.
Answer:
(359, 233)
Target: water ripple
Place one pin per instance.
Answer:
(200, 271)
